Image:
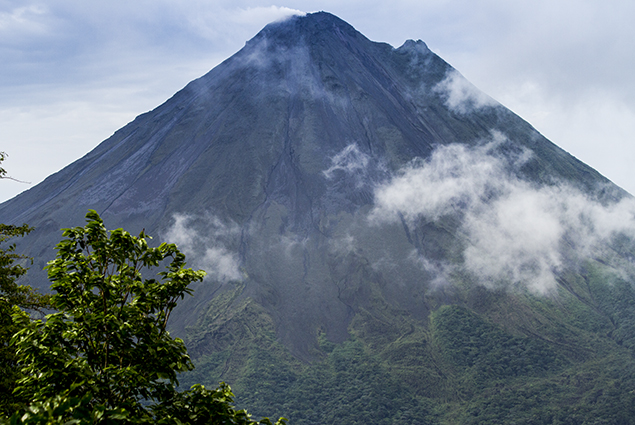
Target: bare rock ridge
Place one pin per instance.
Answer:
(335, 187)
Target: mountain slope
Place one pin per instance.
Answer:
(374, 227)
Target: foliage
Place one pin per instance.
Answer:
(617, 301)
(106, 355)
(492, 357)
(348, 385)
(202, 406)
(12, 294)
(12, 268)
(198, 406)
(471, 342)
(3, 172)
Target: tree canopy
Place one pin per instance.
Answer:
(105, 355)
(12, 294)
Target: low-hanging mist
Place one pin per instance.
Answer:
(515, 232)
(460, 95)
(208, 244)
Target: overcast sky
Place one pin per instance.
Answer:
(74, 71)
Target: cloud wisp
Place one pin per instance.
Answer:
(350, 160)
(356, 168)
(515, 233)
(207, 242)
(460, 95)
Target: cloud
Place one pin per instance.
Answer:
(516, 239)
(438, 270)
(207, 242)
(515, 233)
(453, 178)
(22, 22)
(460, 95)
(147, 50)
(353, 168)
(257, 15)
(342, 245)
(350, 160)
(216, 22)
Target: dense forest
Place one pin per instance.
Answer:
(556, 360)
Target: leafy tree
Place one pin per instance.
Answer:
(106, 355)
(12, 268)
(12, 294)
(198, 406)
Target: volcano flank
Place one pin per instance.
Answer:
(384, 242)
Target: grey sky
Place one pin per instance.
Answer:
(72, 72)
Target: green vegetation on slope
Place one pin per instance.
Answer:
(105, 355)
(491, 357)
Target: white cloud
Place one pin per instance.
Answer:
(565, 52)
(342, 245)
(207, 243)
(461, 96)
(266, 14)
(350, 160)
(439, 270)
(597, 128)
(515, 233)
(516, 239)
(450, 180)
(24, 21)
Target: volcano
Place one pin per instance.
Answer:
(384, 242)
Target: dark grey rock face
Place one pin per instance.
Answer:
(271, 162)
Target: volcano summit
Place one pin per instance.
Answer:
(384, 242)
